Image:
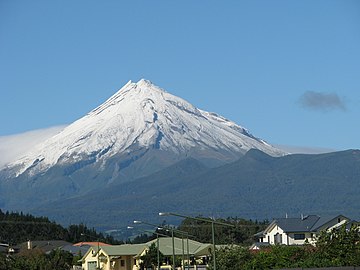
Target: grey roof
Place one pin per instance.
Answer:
(310, 223)
(324, 220)
(75, 250)
(45, 246)
(297, 224)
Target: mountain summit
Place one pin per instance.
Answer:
(144, 149)
(140, 118)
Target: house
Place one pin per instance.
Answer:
(128, 256)
(120, 257)
(298, 231)
(43, 246)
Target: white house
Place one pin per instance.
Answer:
(298, 231)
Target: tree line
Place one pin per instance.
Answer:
(240, 232)
(16, 228)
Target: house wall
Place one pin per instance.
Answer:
(308, 238)
(277, 236)
(122, 263)
(274, 235)
(90, 261)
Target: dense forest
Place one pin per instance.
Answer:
(16, 228)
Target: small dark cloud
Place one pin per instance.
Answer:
(322, 101)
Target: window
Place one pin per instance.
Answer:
(91, 265)
(122, 263)
(299, 236)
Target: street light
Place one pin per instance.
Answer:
(172, 236)
(213, 222)
(187, 241)
(157, 242)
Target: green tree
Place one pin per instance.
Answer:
(60, 260)
(241, 232)
(150, 258)
(341, 246)
(233, 257)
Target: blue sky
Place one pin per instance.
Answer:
(289, 71)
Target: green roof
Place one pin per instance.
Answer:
(165, 244)
(127, 249)
(166, 247)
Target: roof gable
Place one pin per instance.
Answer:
(122, 250)
(165, 244)
(328, 221)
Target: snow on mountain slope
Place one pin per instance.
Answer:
(146, 116)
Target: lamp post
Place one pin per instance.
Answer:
(187, 239)
(172, 236)
(205, 220)
(157, 242)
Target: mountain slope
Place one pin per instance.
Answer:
(142, 116)
(141, 129)
(255, 186)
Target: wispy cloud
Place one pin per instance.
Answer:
(322, 101)
(304, 149)
(15, 146)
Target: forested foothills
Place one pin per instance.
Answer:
(37, 260)
(241, 230)
(339, 247)
(16, 228)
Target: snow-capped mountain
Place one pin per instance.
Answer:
(144, 149)
(142, 117)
